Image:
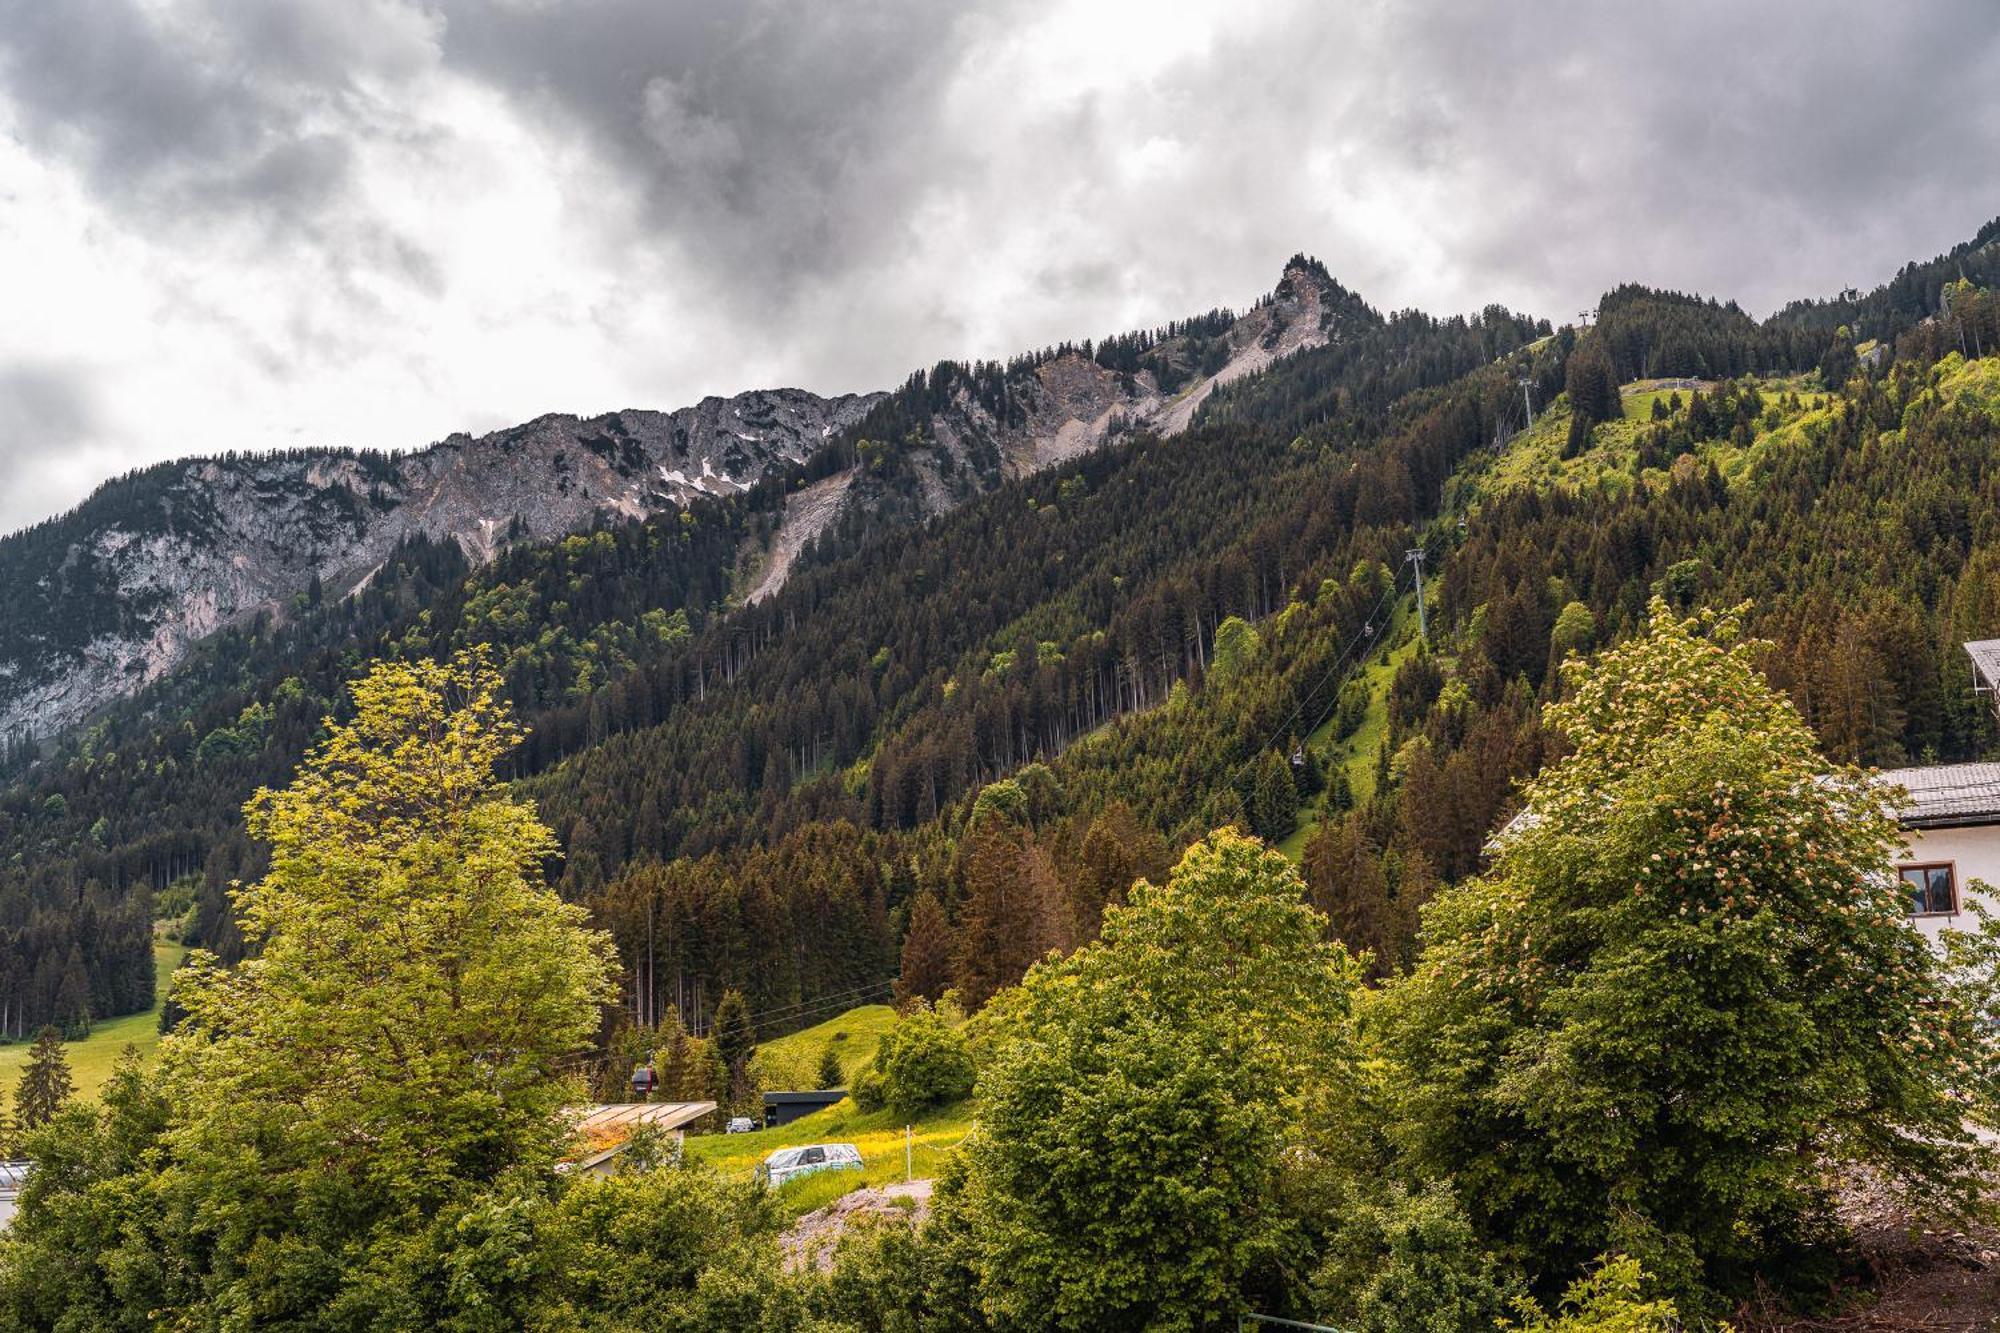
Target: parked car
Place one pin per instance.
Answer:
(791, 1163)
(741, 1124)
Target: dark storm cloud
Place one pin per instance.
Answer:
(1765, 152)
(234, 105)
(770, 140)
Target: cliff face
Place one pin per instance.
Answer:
(105, 599)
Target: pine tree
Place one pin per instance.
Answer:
(830, 1072)
(72, 1000)
(1274, 801)
(1343, 874)
(1015, 911)
(45, 1083)
(677, 1061)
(735, 1034)
(926, 969)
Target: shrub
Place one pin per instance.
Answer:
(1409, 1263)
(923, 1061)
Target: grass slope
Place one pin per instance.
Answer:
(1356, 755)
(1533, 459)
(91, 1060)
(879, 1136)
(792, 1062)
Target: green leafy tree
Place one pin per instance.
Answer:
(87, 1248)
(923, 1061)
(395, 1044)
(1142, 1096)
(675, 1250)
(1398, 1261)
(1685, 986)
(45, 1082)
(1236, 644)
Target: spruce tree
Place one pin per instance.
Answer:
(830, 1072)
(925, 970)
(735, 1035)
(45, 1083)
(677, 1061)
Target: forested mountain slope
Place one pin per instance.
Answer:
(1145, 640)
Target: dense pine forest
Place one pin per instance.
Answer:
(1157, 639)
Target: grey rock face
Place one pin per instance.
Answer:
(108, 598)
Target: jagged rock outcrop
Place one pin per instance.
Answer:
(105, 599)
(1067, 404)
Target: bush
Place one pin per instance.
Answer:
(923, 1062)
(1410, 1263)
(1606, 1301)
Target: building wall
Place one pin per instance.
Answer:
(1974, 854)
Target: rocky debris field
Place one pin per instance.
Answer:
(813, 1238)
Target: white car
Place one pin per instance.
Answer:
(791, 1163)
(741, 1124)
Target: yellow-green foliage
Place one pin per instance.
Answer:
(1533, 459)
(1355, 756)
(1608, 1300)
(792, 1061)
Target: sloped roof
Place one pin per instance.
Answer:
(1946, 794)
(1940, 796)
(605, 1128)
(608, 1121)
(1985, 655)
(809, 1097)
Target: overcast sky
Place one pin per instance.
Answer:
(265, 223)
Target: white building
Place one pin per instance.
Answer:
(1951, 826)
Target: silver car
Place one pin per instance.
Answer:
(791, 1163)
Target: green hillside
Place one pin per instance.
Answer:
(793, 1060)
(91, 1059)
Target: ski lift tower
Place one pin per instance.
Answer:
(1527, 383)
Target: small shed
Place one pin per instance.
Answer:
(782, 1108)
(605, 1129)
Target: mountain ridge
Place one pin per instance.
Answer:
(110, 596)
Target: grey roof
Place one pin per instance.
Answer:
(1940, 796)
(1985, 655)
(1947, 794)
